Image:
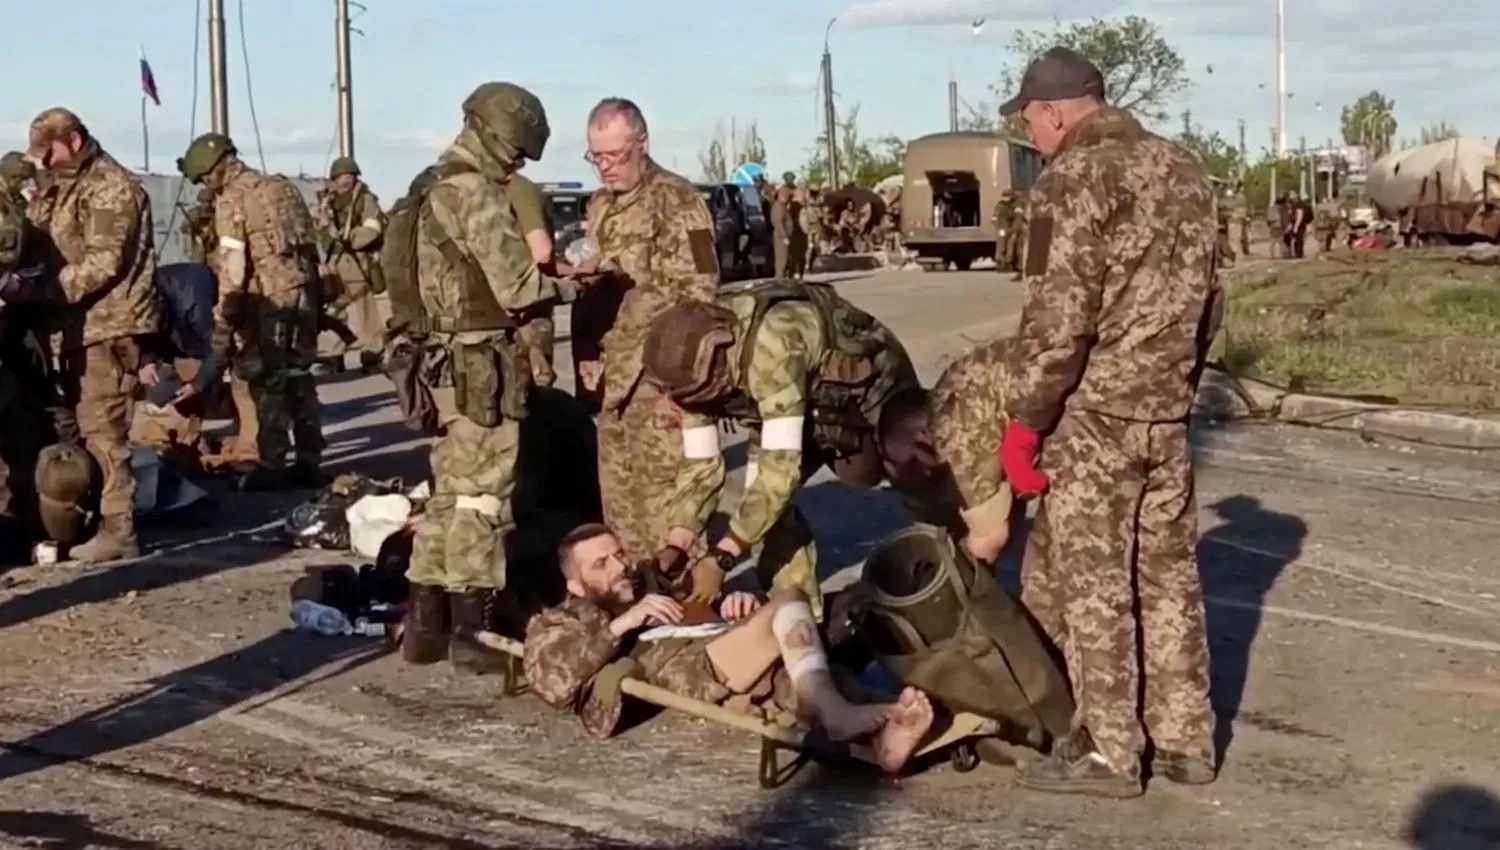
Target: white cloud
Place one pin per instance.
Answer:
(788, 85)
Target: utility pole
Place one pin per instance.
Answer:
(953, 106)
(830, 119)
(218, 69)
(1244, 155)
(345, 81)
(1280, 143)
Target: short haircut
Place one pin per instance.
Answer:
(583, 533)
(624, 108)
(904, 404)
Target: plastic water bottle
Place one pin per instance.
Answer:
(322, 619)
(581, 250)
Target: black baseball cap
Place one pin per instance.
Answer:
(1058, 74)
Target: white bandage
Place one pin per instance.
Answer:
(701, 443)
(372, 224)
(783, 434)
(752, 470)
(802, 660)
(231, 244)
(487, 505)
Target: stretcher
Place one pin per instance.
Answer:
(958, 737)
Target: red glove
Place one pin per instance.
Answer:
(1018, 450)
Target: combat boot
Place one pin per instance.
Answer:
(424, 639)
(1182, 769)
(1076, 767)
(114, 541)
(470, 613)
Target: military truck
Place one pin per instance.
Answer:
(951, 184)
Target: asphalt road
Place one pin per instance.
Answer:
(1354, 602)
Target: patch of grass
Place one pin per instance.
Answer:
(1410, 327)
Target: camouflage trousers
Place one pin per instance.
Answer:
(173, 425)
(781, 252)
(285, 396)
(1116, 533)
(640, 448)
(538, 339)
(460, 541)
(102, 378)
(363, 318)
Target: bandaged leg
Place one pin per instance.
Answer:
(806, 664)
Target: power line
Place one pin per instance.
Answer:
(250, 92)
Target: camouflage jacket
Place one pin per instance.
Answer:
(968, 418)
(473, 209)
(568, 647)
(662, 238)
(1120, 278)
(261, 220)
(357, 223)
(98, 221)
(780, 387)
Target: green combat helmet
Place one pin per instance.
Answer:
(64, 480)
(15, 171)
(203, 154)
(510, 121)
(341, 166)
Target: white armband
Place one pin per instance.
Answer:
(783, 434)
(231, 244)
(701, 443)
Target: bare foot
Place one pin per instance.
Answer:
(850, 721)
(910, 719)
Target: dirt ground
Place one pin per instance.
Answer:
(1412, 327)
(1353, 599)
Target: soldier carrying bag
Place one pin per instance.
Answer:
(939, 621)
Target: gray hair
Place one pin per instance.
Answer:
(623, 108)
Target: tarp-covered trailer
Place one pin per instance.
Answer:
(1437, 189)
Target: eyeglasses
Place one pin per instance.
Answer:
(601, 159)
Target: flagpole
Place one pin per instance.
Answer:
(145, 137)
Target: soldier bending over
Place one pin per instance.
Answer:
(578, 653)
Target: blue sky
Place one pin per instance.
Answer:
(693, 68)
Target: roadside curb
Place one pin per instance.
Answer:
(1223, 396)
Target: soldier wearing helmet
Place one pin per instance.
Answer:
(809, 372)
(657, 240)
(461, 280)
(354, 226)
(96, 220)
(266, 318)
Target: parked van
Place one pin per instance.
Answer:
(951, 185)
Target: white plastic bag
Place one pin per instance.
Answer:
(374, 518)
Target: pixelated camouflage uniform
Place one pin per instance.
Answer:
(662, 238)
(98, 219)
(809, 402)
(573, 662)
(1121, 300)
(262, 222)
(357, 224)
(538, 330)
(1005, 235)
(782, 226)
(968, 417)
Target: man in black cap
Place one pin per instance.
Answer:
(1122, 300)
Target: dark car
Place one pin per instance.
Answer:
(567, 211)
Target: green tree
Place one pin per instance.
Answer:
(1142, 72)
(729, 149)
(862, 162)
(1370, 121)
(1219, 158)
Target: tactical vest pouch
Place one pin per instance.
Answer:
(407, 370)
(940, 622)
(489, 382)
(839, 425)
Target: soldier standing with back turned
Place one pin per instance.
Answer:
(1122, 300)
(98, 219)
(656, 237)
(266, 318)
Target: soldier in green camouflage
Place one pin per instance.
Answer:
(474, 278)
(1005, 234)
(809, 372)
(17, 176)
(352, 221)
(1330, 224)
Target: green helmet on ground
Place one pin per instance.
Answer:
(510, 115)
(341, 166)
(64, 478)
(203, 154)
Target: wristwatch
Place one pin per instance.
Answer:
(725, 560)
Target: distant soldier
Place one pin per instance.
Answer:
(1239, 217)
(267, 316)
(98, 220)
(354, 226)
(1222, 223)
(1329, 223)
(811, 220)
(798, 265)
(1020, 231)
(782, 227)
(1005, 234)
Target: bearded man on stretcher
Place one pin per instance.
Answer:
(577, 653)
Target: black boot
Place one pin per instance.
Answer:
(470, 614)
(425, 638)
